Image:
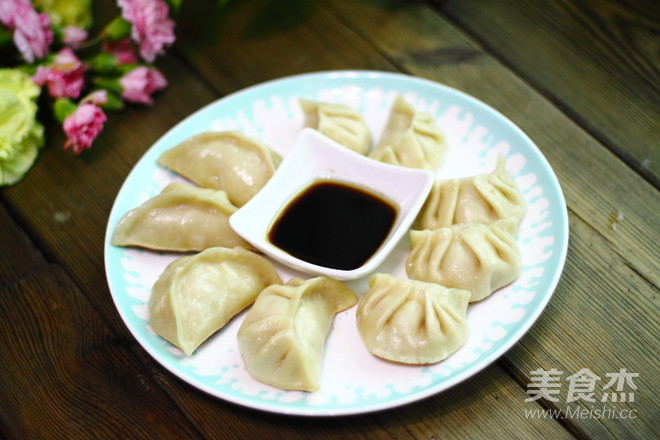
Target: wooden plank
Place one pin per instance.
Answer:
(595, 60)
(598, 187)
(603, 317)
(476, 409)
(231, 57)
(473, 409)
(64, 375)
(19, 255)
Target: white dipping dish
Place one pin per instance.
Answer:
(314, 158)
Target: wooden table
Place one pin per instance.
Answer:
(580, 78)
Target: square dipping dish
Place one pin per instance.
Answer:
(330, 211)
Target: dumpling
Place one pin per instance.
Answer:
(197, 295)
(181, 218)
(411, 139)
(227, 160)
(282, 338)
(472, 256)
(479, 199)
(410, 321)
(339, 122)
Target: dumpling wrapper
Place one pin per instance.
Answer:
(180, 218)
(411, 139)
(197, 295)
(282, 338)
(477, 257)
(339, 122)
(226, 160)
(479, 199)
(412, 322)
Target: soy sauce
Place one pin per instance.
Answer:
(334, 225)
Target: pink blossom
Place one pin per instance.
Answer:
(64, 76)
(32, 32)
(74, 36)
(122, 49)
(140, 83)
(97, 97)
(151, 27)
(83, 126)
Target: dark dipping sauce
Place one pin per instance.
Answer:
(334, 225)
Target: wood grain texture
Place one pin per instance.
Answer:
(596, 60)
(232, 58)
(64, 375)
(490, 394)
(601, 317)
(19, 254)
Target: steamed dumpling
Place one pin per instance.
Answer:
(180, 218)
(282, 338)
(411, 139)
(339, 122)
(410, 321)
(479, 199)
(197, 295)
(472, 256)
(227, 160)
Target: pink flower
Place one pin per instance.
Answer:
(151, 27)
(74, 36)
(64, 76)
(32, 33)
(83, 126)
(97, 97)
(122, 49)
(140, 83)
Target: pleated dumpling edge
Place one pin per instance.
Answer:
(282, 338)
(412, 322)
(197, 295)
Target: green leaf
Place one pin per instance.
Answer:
(175, 5)
(117, 29)
(5, 38)
(102, 62)
(114, 102)
(111, 84)
(63, 107)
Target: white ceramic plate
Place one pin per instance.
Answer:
(353, 381)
